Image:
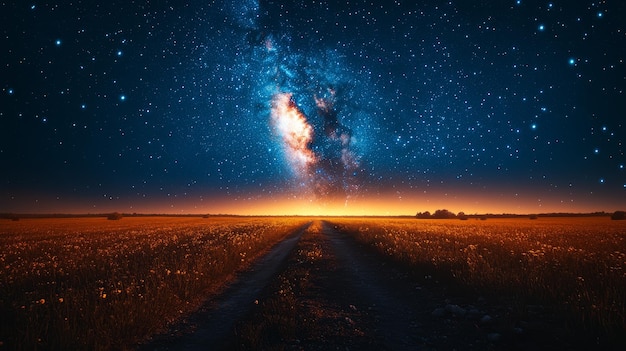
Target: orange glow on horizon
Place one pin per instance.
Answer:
(392, 203)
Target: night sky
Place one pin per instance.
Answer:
(276, 107)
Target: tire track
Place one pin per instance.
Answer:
(213, 323)
(396, 322)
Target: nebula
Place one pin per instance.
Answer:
(296, 133)
(323, 162)
(315, 104)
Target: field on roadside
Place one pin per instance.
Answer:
(576, 266)
(89, 283)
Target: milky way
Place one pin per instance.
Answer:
(183, 106)
(309, 94)
(295, 132)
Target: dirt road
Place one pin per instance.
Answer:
(320, 290)
(212, 324)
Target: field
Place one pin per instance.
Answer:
(93, 284)
(575, 266)
(89, 283)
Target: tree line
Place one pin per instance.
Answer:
(445, 214)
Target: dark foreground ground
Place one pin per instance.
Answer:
(320, 290)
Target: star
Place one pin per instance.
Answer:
(384, 98)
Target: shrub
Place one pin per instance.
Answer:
(423, 215)
(115, 216)
(443, 214)
(618, 215)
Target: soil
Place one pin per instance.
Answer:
(321, 290)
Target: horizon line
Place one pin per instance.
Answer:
(9, 215)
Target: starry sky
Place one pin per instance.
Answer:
(312, 107)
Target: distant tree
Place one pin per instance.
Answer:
(443, 214)
(618, 215)
(423, 215)
(115, 216)
(462, 216)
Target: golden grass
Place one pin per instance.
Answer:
(578, 264)
(95, 284)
